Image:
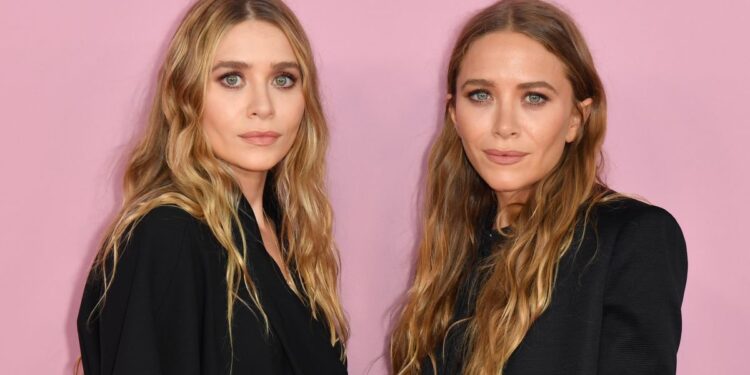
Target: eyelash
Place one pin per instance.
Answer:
(290, 76)
(223, 77)
(471, 94)
(543, 97)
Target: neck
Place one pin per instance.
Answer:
(509, 203)
(252, 184)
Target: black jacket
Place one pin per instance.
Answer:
(615, 305)
(166, 310)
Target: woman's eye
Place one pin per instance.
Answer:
(283, 81)
(232, 80)
(535, 99)
(479, 96)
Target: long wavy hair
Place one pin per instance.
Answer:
(520, 277)
(174, 165)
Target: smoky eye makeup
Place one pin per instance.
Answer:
(479, 96)
(535, 98)
(284, 80)
(482, 96)
(232, 80)
(235, 80)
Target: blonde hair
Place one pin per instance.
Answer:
(174, 165)
(520, 278)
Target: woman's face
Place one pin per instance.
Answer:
(514, 110)
(254, 102)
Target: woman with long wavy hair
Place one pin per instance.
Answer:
(221, 259)
(528, 263)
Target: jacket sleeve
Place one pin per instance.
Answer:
(149, 322)
(645, 285)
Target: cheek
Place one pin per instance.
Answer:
(472, 124)
(290, 109)
(547, 133)
(220, 118)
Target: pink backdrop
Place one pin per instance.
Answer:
(75, 77)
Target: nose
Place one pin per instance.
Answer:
(506, 122)
(259, 103)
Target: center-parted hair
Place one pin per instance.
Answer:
(174, 165)
(521, 274)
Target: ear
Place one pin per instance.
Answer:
(578, 117)
(451, 107)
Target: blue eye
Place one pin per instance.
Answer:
(231, 80)
(479, 96)
(284, 81)
(535, 99)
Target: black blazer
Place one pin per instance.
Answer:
(616, 301)
(166, 310)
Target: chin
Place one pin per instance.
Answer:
(254, 165)
(507, 183)
(508, 189)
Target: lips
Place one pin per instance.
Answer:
(259, 138)
(508, 157)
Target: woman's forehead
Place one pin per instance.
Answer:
(255, 43)
(511, 57)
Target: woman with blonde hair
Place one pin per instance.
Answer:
(528, 263)
(221, 260)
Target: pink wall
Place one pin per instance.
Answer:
(76, 76)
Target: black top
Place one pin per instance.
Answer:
(166, 310)
(615, 305)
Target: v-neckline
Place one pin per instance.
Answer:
(247, 210)
(288, 312)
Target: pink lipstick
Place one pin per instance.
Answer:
(505, 157)
(260, 138)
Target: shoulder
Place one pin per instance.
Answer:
(161, 235)
(625, 212)
(165, 223)
(161, 246)
(641, 237)
(165, 220)
(154, 270)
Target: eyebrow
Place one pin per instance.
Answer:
(478, 82)
(231, 65)
(525, 85)
(240, 65)
(535, 84)
(286, 65)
